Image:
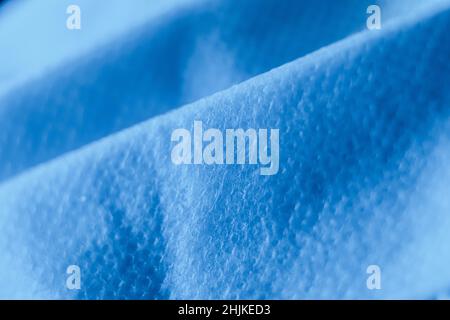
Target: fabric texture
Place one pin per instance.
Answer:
(86, 176)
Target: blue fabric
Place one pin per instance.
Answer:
(87, 178)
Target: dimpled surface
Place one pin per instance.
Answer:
(364, 152)
(185, 54)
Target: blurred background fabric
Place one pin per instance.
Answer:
(86, 176)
